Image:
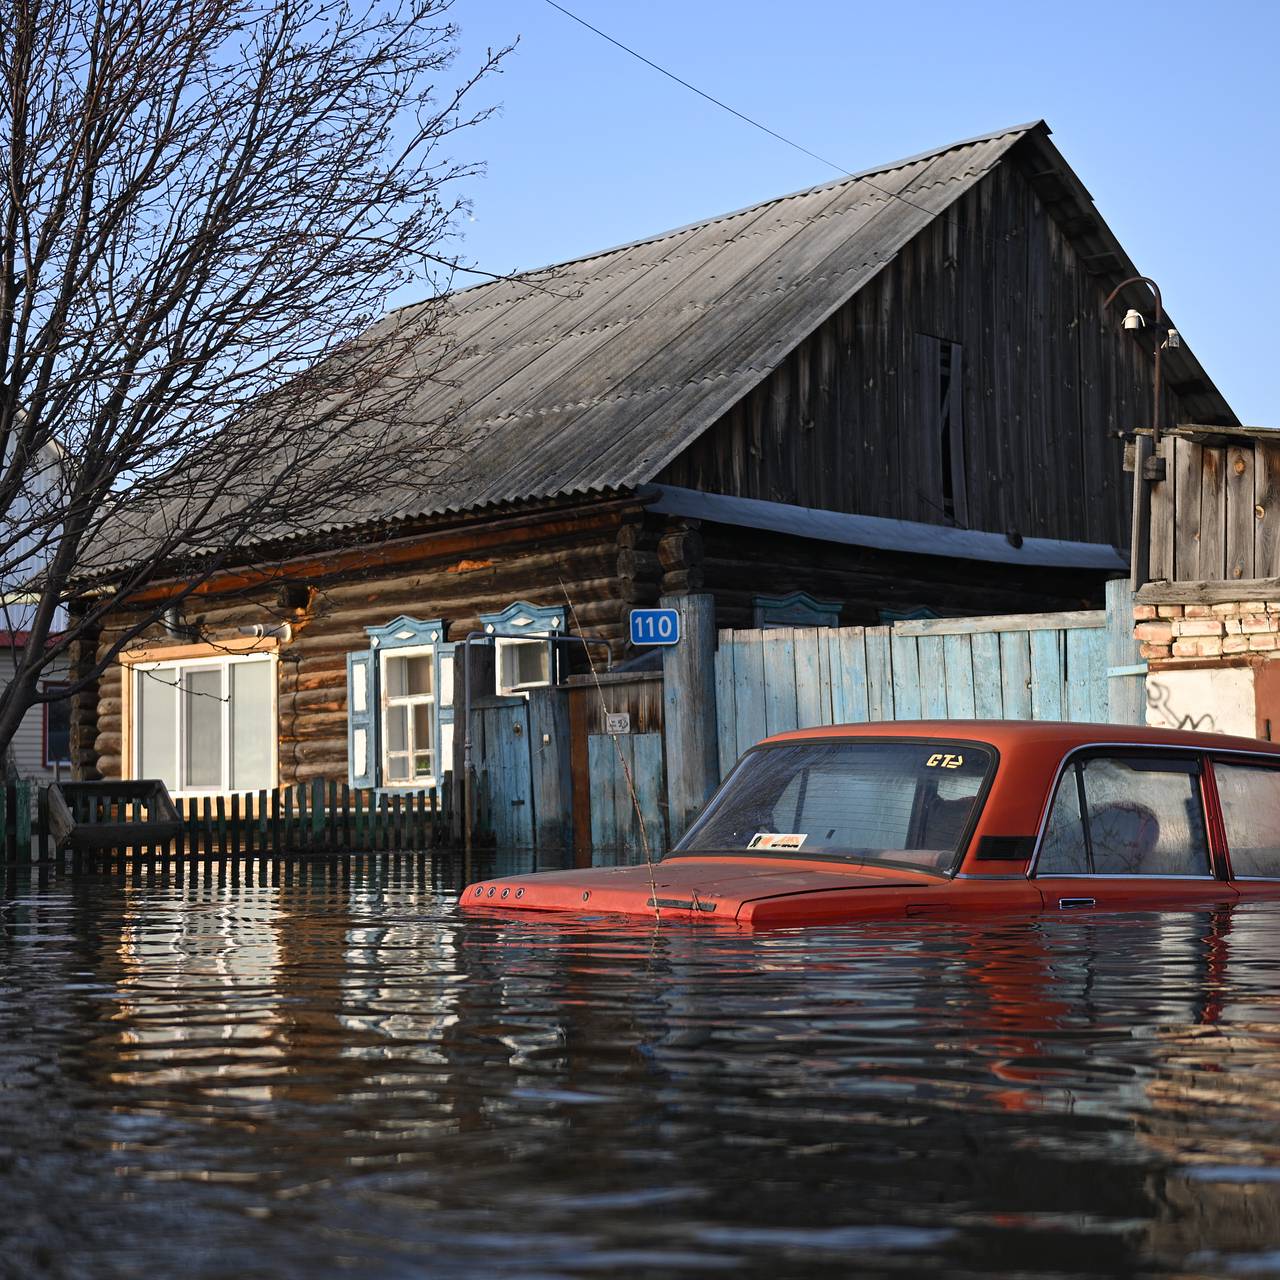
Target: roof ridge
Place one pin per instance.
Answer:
(931, 154)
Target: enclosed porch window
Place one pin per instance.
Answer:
(206, 724)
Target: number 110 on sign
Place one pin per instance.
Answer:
(655, 626)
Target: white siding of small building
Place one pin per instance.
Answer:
(28, 743)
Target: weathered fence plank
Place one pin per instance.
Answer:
(960, 675)
(905, 677)
(932, 665)
(988, 700)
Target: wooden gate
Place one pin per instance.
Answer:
(503, 774)
(628, 797)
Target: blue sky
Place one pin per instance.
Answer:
(1168, 112)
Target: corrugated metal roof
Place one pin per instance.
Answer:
(591, 375)
(595, 373)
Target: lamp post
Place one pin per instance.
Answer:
(1148, 469)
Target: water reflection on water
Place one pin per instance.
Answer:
(310, 1069)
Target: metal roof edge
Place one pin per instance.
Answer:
(930, 153)
(908, 537)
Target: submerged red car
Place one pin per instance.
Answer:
(930, 818)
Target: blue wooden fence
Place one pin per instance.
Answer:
(615, 815)
(1051, 666)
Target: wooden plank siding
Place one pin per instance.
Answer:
(848, 421)
(1051, 667)
(1219, 511)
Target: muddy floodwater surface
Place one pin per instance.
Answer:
(301, 1070)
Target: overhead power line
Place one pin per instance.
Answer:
(733, 111)
(693, 88)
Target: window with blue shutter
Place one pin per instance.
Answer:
(400, 706)
(525, 654)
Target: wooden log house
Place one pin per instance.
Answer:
(897, 394)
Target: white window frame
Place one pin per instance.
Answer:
(505, 643)
(138, 672)
(386, 701)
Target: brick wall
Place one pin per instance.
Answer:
(1173, 632)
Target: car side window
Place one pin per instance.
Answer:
(1126, 816)
(1250, 799)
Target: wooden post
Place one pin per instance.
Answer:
(1140, 525)
(552, 783)
(22, 820)
(42, 823)
(317, 814)
(1126, 671)
(689, 710)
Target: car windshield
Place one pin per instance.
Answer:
(869, 800)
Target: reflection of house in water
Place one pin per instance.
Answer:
(254, 992)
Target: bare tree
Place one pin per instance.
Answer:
(204, 205)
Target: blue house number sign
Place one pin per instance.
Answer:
(655, 626)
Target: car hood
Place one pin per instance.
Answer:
(708, 889)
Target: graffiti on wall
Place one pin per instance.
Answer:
(1162, 711)
(1208, 699)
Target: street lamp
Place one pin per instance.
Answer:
(1148, 469)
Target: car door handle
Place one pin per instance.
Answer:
(1067, 903)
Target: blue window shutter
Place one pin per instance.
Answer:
(362, 718)
(444, 674)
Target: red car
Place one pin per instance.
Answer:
(930, 818)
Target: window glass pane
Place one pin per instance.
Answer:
(397, 768)
(155, 723)
(397, 728)
(252, 727)
(1144, 820)
(890, 802)
(397, 678)
(424, 716)
(202, 711)
(424, 719)
(419, 674)
(1251, 813)
(1062, 852)
(526, 663)
(57, 731)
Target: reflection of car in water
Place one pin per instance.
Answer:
(927, 818)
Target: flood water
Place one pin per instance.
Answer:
(323, 1069)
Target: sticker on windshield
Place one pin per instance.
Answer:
(944, 760)
(776, 840)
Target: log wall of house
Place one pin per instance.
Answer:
(849, 421)
(603, 560)
(736, 565)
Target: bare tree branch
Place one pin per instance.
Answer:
(203, 205)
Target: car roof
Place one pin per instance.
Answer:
(1008, 734)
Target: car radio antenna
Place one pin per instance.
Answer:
(622, 760)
